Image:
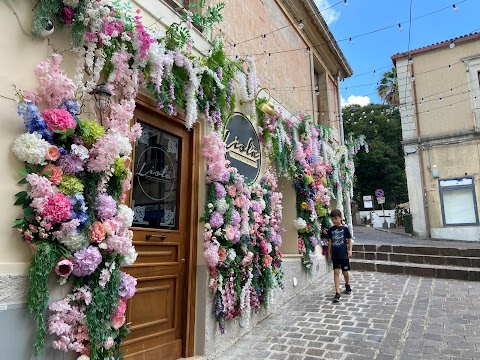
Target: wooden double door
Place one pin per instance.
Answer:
(162, 311)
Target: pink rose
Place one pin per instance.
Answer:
(98, 232)
(207, 235)
(55, 173)
(222, 254)
(52, 153)
(267, 261)
(232, 191)
(109, 227)
(229, 232)
(118, 317)
(109, 343)
(64, 267)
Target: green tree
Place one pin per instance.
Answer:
(383, 166)
(388, 88)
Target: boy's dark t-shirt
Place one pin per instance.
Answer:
(339, 236)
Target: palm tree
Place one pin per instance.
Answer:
(388, 88)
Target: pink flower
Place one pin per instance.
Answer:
(229, 232)
(55, 175)
(109, 227)
(67, 14)
(118, 317)
(232, 191)
(267, 261)
(58, 119)
(222, 254)
(64, 267)
(57, 208)
(52, 153)
(247, 260)
(109, 343)
(98, 232)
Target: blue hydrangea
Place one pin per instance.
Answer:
(79, 208)
(33, 120)
(72, 106)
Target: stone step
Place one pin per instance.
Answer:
(473, 252)
(420, 259)
(427, 270)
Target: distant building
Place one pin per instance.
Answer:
(440, 108)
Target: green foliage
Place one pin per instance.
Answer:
(176, 36)
(388, 88)
(102, 307)
(211, 15)
(44, 259)
(383, 166)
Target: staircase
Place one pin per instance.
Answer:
(428, 261)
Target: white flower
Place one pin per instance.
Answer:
(30, 148)
(129, 257)
(262, 204)
(74, 242)
(269, 247)
(80, 151)
(222, 206)
(300, 224)
(83, 357)
(208, 226)
(103, 246)
(231, 254)
(124, 146)
(73, 4)
(126, 214)
(210, 205)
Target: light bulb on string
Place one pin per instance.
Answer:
(345, 2)
(410, 61)
(454, 8)
(441, 99)
(351, 41)
(413, 78)
(400, 28)
(449, 67)
(301, 25)
(452, 45)
(307, 50)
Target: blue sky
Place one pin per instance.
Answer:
(373, 51)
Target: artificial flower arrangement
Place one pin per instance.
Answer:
(242, 236)
(74, 219)
(111, 40)
(319, 173)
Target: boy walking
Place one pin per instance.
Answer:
(339, 252)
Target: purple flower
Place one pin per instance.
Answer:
(313, 241)
(86, 261)
(220, 191)
(67, 14)
(216, 220)
(127, 286)
(256, 206)
(105, 206)
(236, 219)
(70, 164)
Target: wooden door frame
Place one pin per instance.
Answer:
(188, 331)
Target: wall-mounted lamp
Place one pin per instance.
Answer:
(301, 25)
(410, 149)
(102, 95)
(267, 107)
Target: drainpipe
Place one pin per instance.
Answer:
(348, 210)
(420, 154)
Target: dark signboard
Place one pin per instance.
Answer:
(243, 147)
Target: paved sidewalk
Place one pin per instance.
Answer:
(387, 317)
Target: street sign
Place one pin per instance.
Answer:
(379, 193)
(381, 200)
(368, 202)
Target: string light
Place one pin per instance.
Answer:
(454, 8)
(351, 41)
(452, 45)
(301, 25)
(345, 2)
(410, 60)
(400, 27)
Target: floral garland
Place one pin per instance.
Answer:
(319, 174)
(242, 236)
(74, 217)
(112, 41)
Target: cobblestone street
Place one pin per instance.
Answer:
(386, 317)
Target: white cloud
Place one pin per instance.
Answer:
(358, 100)
(331, 15)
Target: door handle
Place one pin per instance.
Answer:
(161, 237)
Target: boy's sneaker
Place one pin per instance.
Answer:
(348, 289)
(336, 298)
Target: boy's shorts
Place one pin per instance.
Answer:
(343, 264)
